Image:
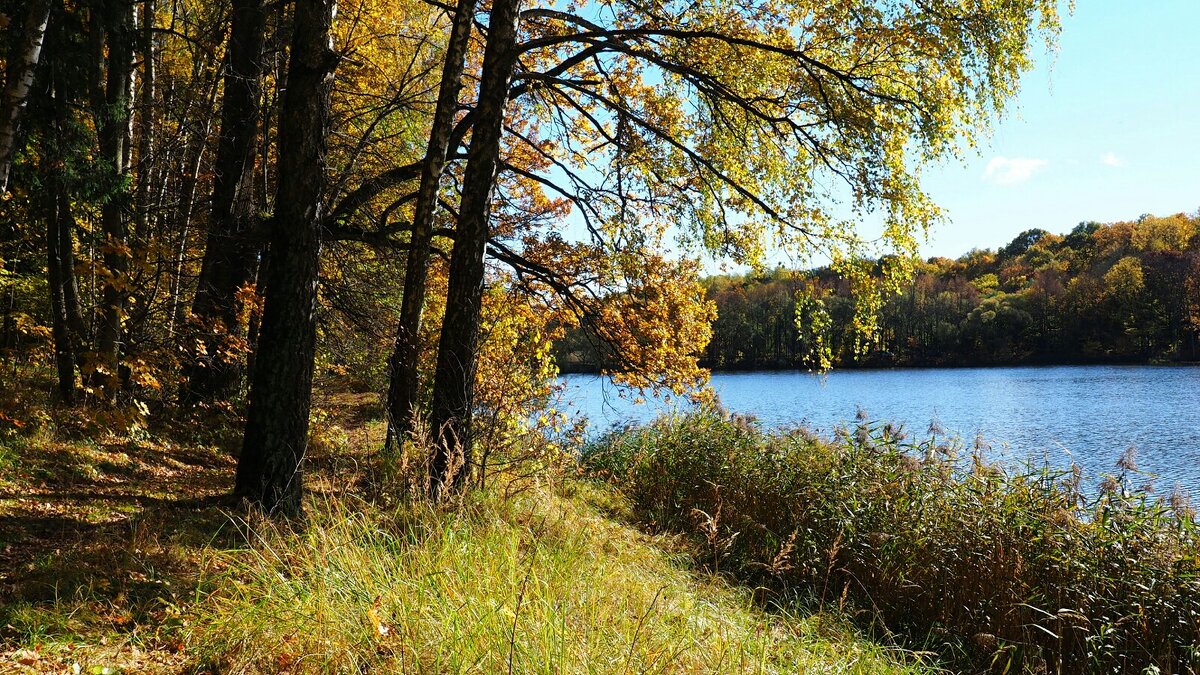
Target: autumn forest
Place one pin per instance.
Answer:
(204, 197)
(1123, 292)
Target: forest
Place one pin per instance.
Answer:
(281, 283)
(1125, 292)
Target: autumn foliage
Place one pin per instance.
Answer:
(209, 205)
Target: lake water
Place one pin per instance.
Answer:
(1088, 415)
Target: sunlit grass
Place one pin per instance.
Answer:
(539, 582)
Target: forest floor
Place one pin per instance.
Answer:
(126, 555)
(104, 539)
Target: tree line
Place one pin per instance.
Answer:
(1116, 292)
(209, 203)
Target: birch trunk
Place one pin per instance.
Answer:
(21, 68)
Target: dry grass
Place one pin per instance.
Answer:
(537, 582)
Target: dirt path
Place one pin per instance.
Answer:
(98, 545)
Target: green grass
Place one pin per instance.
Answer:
(1004, 570)
(539, 582)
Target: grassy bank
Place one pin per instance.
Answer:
(538, 582)
(993, 569)
(122, 554)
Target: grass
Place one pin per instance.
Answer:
(1006, 570)
(540, 582)
(99, 538)
(121, 554)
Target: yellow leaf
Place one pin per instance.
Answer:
(373, 613)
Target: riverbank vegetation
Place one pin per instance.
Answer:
(1003, 569)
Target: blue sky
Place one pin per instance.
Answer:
(1106, 129)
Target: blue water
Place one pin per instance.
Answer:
(1087, 415)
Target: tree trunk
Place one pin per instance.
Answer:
(22, 61)
(21, 66)
(68, 327)
(70, 284)
(183, 215)
(60, 275)
(270, 468)
(145, 157)
(114, 140)
(454, 379)
(230, 255)
(57, 262)
(405, 384)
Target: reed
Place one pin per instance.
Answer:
(1011, 569)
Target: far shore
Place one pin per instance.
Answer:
(591, 369)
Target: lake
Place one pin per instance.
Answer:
(1062, 414)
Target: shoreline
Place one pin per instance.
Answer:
(574, 369)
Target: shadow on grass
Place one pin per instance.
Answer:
(102, 543)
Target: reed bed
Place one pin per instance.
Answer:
(1005, 569)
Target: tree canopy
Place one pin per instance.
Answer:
(1117, 292)
(204, 195)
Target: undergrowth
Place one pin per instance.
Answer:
(1004, 570)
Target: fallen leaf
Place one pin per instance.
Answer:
(373, 614)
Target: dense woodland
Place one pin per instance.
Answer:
(207, 204)
(1126, 291)
(1102, 293)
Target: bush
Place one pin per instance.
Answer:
(993, 568)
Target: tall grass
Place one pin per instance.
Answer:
(532, 583)
(996, 569)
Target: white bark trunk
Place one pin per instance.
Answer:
(16, 90)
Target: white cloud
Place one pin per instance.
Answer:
(1111, 159)
(1006, 171)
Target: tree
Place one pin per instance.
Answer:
(404, 383)
(454, 379)
(1023, 242)
(231, 252)
(67, 324)
(22, 63)
(726, 119)
(113, 41)
(1124, 293)
(270, 469)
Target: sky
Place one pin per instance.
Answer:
(1105, 129)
